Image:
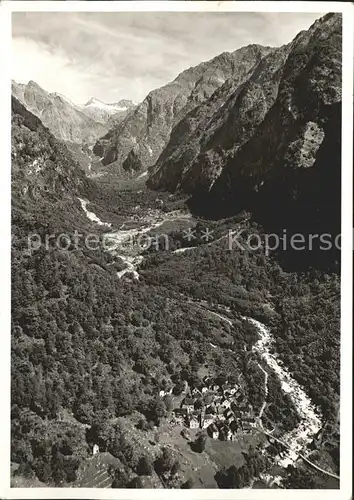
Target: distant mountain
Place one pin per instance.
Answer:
(63, 118)
(137, 142)
(107, 113)
(269, 141)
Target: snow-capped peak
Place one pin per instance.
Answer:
(122, 105)
(93, 102)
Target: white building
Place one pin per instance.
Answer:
(193, 423)
(207, 420)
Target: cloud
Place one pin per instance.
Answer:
(52, 70)
(125, 55)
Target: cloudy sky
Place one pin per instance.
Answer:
(113, 56)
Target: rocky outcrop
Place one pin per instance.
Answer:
(64, 119)
(138, 141)
(271, 142)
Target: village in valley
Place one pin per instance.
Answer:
(221, 409)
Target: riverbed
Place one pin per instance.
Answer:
(129, 244)
(302, 435)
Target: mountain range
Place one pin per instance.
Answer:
(138, 141)
(245, 128)
(269, 141)
(69, 122)
(278, 119)
(234, 132)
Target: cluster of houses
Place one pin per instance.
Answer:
(220, 409)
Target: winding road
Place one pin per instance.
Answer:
(265, 391)
(300, 455)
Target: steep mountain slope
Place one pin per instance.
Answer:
(64, 119)
(139, 140)
(233, 112)
(111, 113)
(273, 137)
(45, 179)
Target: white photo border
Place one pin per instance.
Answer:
(347, 10)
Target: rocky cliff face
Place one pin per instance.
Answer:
(138, 141)
(196, 152)
(269, 142)
(64, 119)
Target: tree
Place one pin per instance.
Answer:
(175, 468)
(136, 482)
(165, 462)
(142, 424)
(199, 443)
(229, 478)
(300, 479)
(168, 402)
(100, 433)
(145, 467)
(156, 410)
(121, 478)
(188, 484)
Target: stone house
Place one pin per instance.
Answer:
(210, 410)
(206, 421)
(229, 416)
(228, 434)
(225, 403)
(220, 413)
(193, 422)
(213, 431)
(95, 449)
(180, 414)
(188, 404)
(218, 399)
(231, 393)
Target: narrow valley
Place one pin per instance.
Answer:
(167, 330)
